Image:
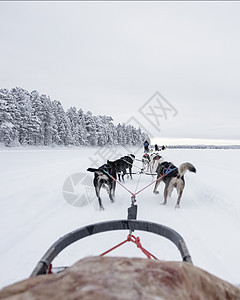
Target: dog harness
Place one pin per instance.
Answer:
(168, 169)
(106, 169)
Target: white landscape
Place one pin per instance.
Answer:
(34, 212)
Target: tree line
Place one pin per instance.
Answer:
(28, 118)
(203, 147)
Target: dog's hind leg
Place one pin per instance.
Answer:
(170, 191)
(165, 193)
(156, 186)
(123, 174)
(130, 171)
(119, 176)
(178, 200)
(106, 187)
(98, 186)
(172, 184)
(112, 192)
(100, 204)
(180, 188)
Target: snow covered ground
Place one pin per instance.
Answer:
(34, 212)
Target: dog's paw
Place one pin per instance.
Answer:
(156, 192)
(177, 206)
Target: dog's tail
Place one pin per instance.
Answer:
(183, 168)
(95, 171)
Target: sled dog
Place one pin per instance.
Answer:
(173, 177)
(103, 179)
(155, 160)
(124, 163)
(145, 162)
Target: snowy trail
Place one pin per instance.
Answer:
(34, 213)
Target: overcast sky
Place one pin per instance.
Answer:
(120, 58)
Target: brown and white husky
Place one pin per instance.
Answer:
(173, 177)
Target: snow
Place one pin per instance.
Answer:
(34, 212)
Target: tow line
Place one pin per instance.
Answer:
(168, 171)
(135, 240)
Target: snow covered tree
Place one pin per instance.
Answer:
(23, 112)
(82, 131)
(105, 132)
(33, 119)
(62, 135)
(8, 126)
(72, 116)
(91, 130)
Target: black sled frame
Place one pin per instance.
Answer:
(43, 265)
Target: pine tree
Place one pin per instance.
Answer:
(33, 119)
(9, 115)
(62, 132)
(91, 130)
(23, 114)
(72, 116)
(82, 132)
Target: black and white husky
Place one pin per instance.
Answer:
(103, 178)
(173, 177)
(124, 163)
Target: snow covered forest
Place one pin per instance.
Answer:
(28, 118)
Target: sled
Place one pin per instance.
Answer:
(44, 265)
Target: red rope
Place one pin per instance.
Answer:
(127, 188)
(135, 240)
(122, 185)
(50, 269)
(134, 194)
(119, 183)
(154, 181)
(118, 245)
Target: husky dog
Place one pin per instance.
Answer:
(145, 162)
(173, 177)
(104, 178)
(124, 163)
(155, 160)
